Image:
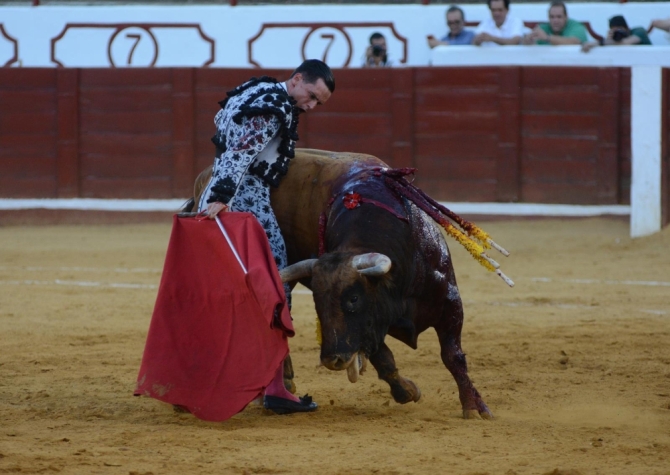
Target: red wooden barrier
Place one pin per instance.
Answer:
(28, 128)
(532, 134)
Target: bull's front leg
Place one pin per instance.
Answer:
(453, 358)
(402, 389)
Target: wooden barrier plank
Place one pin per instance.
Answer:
(606, 158)
(472, 100)
(349, 124)
(28, 127)
(158, 122)
(452, 190)
(98, 144)
(584, 99)
(183, 132)
(203, 118)
(208, 100)
(455, 77)
(30, 79)
(105, 99)
(126, 78)
(451, 121)
(624, 142)
(562, 77)
(28, 186)
(559, 148)
(67, 146)
(459, 145)
(508, 155)
(402, 119)
(560, 171)
(204, 149)
(117, 166)
(377, 145)
(18, 122)
(39, 101)
(27, 147)
(559, 193)
(562, 124)
(372, 78)
(472, 170)
(25, 166)
(364, 100)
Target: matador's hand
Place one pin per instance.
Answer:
(215, 208)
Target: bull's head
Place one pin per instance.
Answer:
(346, 289)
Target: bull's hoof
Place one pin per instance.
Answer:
(404, 391)
(417, 395)
(475, 414)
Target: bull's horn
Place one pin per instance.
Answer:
(297, 271)
(371, 263)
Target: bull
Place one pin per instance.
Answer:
(376, 264)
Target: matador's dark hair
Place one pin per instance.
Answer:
(313, 70)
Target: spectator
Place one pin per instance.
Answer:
(661, 24)
(458, 34)
(619, 34)
(376, 55)
(501, 28)
(560, 30)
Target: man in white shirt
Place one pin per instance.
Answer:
(501, 28)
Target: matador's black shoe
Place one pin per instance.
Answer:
(280, 405)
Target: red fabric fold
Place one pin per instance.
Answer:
(214, 342)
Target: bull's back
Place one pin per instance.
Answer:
(303, 194)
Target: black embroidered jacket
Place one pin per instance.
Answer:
(256, 133)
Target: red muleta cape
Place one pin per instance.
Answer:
(213, 343)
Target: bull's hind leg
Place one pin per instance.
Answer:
(454, 359)
(402, 389)
(289, 375)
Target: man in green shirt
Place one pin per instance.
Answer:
(619, 35)
(560, 30)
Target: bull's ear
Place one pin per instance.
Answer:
(297, 271)
(371, 264)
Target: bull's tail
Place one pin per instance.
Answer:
(188, 206)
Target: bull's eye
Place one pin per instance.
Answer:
(353, 299)
(352, 304)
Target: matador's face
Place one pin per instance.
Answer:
(307, 95)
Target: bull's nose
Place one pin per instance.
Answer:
(337, 362)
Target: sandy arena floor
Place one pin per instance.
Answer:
(574, 362)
